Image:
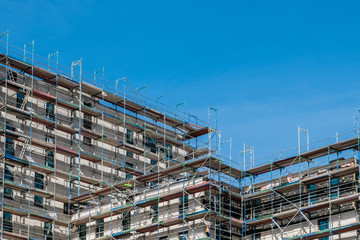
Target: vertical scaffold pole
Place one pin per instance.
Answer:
(272, 201)
(306, 131)
(166, 153)
(100, 72)
(183, 186)
(124, 140)
(73, 65)
(230, 193)
(6, 34)
(145, 126)
(145, 133)
(210, 135)
(32, 45)
(242, 182)
(357, 156)
(112, 164)
(329, 189)
(230, 188)
(219, 186)
(300, 198)
(78, 174)
(56, 54)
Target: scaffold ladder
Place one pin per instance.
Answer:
(22, 153)
(23, 104)
(11, 76)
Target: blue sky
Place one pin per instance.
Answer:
(267, 66)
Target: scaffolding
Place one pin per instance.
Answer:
(83, 158)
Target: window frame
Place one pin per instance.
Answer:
(87, 121)
(87, 141)
(82, 232)
(184, 205)
(155, 213)
(39, 184)
(126, 221)
(129, 136)
(323, 225)
(9, 175)
(129, 176)
(168, 151)
(49, 159)
(50, 111)
(100, 228)
(10, 143)
(19, 99)
(48, 231)
(183, 235)
(7, 219)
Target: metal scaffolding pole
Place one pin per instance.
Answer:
(4, 35)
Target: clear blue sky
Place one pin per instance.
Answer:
(266, 65)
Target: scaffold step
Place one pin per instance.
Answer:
(196, 133)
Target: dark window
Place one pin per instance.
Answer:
(100, 228)
(82, 232)
(9, 146)
(126, 221)
(152, 162)
(88, 104)
(39, 183)
(155, 213)
(151, 143)
(129, 166)
(9, 171)
(183, 235)
(184, 205)
(8, 193)
(87, 141)
(312, 194)
(129, 136)
(164, 238)
(258, 208)
(129, 154)
(50, 111)
(7, 222)
(48, 231)
(168, 151)
(334, 188)
(9, 143)
(19, 99)
(49, 139)
(49, 159)
(87, 122)
(256, 236)
(66, 208)
(323, 225)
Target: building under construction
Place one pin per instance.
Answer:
(82, 158)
